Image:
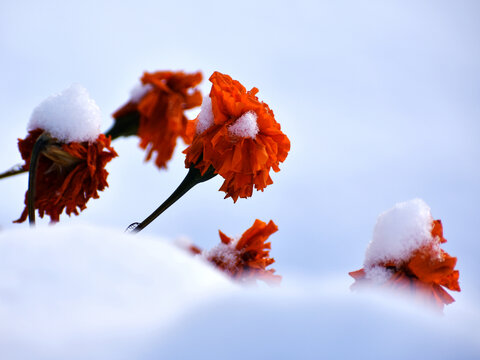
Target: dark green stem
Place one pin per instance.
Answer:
(40, 144)
(193, 178)
(126, 125)
(16, 170)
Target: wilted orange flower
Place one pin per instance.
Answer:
(246, 258)
(425, 273)
(159, 113)
(68, 175)
(238, 136)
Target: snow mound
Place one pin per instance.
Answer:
(68, 116)
(59, 284)
(399, 232)
(245, 126)
(83, 292)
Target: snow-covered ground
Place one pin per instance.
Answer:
(83, 292)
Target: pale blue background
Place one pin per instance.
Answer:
(379, 98)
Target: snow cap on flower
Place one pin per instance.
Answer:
(237, 135)
(156, 112)
(405, 253)
(70, 116)
(399, 232)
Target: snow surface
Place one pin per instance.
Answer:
(68, 116)
(245, 126)
(205, 118)
(139, 91)
(399, 232)
(84, 292)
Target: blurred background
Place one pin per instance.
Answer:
(380, 100)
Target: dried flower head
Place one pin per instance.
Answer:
(425, 272)
(247, 258)
(156, 113)
(68, 174)
(238, 137)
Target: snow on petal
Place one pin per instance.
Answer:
(205, 117)
(246, 126)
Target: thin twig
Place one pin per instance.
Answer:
(16, 170)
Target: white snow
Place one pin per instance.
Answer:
(86, 280)
(68, 116)
(399, 232)
(139, 91)
(378, 274)
(245, 126)
(84, 292)
(205, 118)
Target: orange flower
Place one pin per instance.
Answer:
(68, 175)
(425, 273)
(238, 137)
(246, 258)
(158, 116)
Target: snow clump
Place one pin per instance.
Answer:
(70, 116)
(398, 233)
(246, 126)
(205, 117)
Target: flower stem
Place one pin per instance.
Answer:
(126, 125)
(32, 175)
(16, 170)
(193, 178)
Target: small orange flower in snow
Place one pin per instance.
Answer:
(156, 113)
(68, 174)
(246, 258)
(238, 137)
(426, 271)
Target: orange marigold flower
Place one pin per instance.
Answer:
(68, 174)
(156, 113)
(425, 272)
(237, 135)
(247, 258)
